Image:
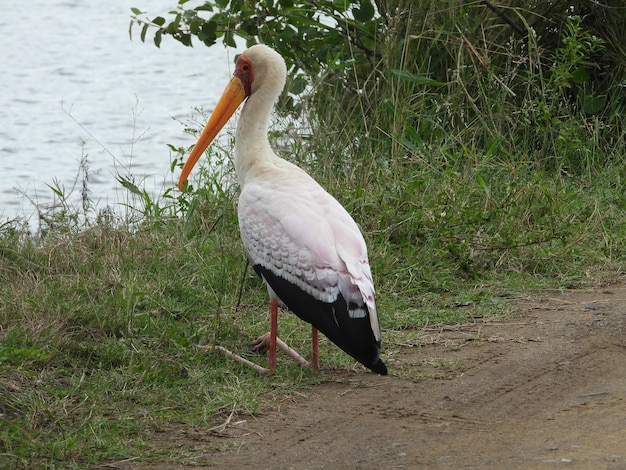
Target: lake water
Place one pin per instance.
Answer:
(75, 85)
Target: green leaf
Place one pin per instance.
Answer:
(136, 11)
(287, 35)
(189, 15)
(174, 25)
(56, 191)
(592, 103)
(299, 19)
(297, 85)
(185, 39)
(195, 27)
(229, 39)
(417, 79)
(129, 185)
(157, 38)
(209, 28)
(206, 7)
(250, 27)
(365, 12)
(207, 33)
(221, 3)
(159, 21)
(144, 30)
(580, 76)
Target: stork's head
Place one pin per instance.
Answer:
(259, 70)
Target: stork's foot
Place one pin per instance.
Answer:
(262, 345)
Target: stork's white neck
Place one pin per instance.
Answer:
(252, 146)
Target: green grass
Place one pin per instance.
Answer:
(468, 196)
(100, 336)
(101, 324)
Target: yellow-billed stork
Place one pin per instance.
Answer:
(299, 239)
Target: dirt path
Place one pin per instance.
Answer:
(546, 390)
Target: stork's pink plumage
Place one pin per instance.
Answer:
(299, 239)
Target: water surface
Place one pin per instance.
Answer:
(75, 87)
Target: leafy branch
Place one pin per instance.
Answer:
(309, 35)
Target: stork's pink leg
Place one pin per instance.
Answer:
(273, 334)
(262, 345)
(270, 342)
(316, 357)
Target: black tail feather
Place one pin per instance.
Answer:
(379, 367)
(352, 335)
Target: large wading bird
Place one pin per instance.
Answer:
(298, 238)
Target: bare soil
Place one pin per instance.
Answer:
(544, 390)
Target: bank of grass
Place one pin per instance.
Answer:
(102, 323)
(468, 197)
(101, 329)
